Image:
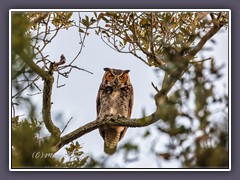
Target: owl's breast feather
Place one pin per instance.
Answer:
(114, 103)
(115, 95)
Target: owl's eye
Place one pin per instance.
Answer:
(123, 78)
(109, 76)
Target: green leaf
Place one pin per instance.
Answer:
(100, 16)
(69, 15)
(85, 22)
(105, 19)
(80, 30)
(92, 21)
(83, 161)
(87, 18)
(95, 14)
(184, 31)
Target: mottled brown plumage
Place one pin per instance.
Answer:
(115, 98)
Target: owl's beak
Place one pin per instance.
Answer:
(116, 82)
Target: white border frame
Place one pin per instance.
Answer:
(123, 10)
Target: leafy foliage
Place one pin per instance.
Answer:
(155, 38)
(29, 150)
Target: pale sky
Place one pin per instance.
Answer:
(77, 98)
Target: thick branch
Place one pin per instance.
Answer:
(46, 109)
(203, 41)
(47, 93)
(141, 122)
(35, 68)
(170, 80)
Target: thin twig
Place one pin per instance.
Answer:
(136, 38)
(13, 109)
(73, 67)
(66, 125)
(58, 82)
(200, 61)
(34, 94)
(20, 92)
(203, 41)
(155, 87)
(82, 40)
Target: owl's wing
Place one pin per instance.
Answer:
(98, 100)
(122, 133)
(98, 104)
(130, 102)
(129, 111)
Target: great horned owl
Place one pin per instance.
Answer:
(115, 98)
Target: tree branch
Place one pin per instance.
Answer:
(46, 109)
(47, 91)
(153, 55)
(141, 122)
(170, 80)
(35, 68)
(47, 94)
(203, 41)
(30, 84)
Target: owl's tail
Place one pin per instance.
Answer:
(111, 140)
(110, 150)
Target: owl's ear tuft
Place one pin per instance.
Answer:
(106, 69)
(126, 71)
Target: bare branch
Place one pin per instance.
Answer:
(200, 61)
(137, 42)
(82, 40)
(21, 71)
(29, 61)
(46, 108)
(141, 122)
(34, 94)
(66, 125)
(155, 87)
(59, 86)
(47, 94)
(204, 39)
(73, 67)
(30, 84)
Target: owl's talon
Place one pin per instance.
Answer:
(98, 119)
(120, 117)
(108, 116)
